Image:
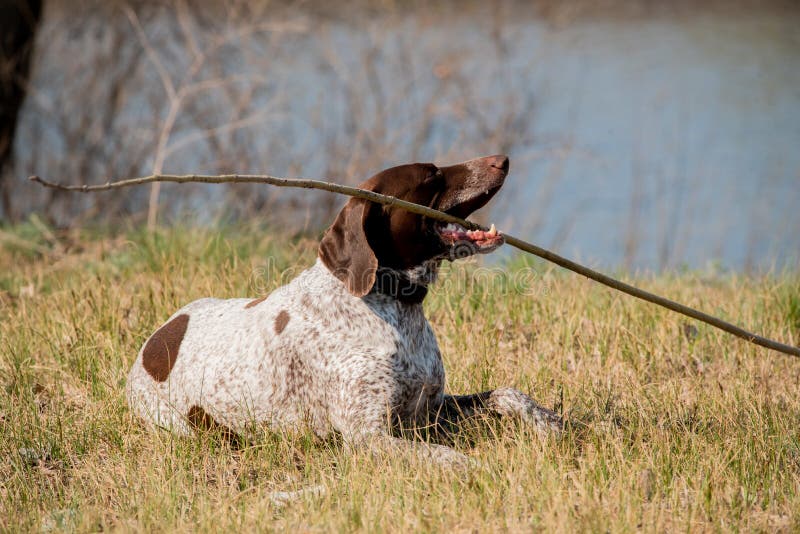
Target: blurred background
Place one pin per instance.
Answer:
(643, 134)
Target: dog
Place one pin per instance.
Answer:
(345, 346)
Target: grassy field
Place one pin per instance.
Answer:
(672, 425)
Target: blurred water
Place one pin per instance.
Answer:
(684, 136)
(647, 143)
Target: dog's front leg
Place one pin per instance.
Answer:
(381, 442)
(503, 402)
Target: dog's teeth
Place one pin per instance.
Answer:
(492, 231)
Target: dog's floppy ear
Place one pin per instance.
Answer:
(345, 251)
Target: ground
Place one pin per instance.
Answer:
(672, 425)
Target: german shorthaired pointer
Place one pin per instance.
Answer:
(345, 346)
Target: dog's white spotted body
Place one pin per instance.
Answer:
(227, 364)
(344, 347)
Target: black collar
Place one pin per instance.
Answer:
(397, 285)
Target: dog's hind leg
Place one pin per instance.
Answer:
(502, 402)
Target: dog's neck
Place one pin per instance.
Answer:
(407, 285)
(398, 285)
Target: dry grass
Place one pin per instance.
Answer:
(672, 427)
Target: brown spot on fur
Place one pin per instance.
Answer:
(161, 350)
(255, 302)
(281, 321)
(200, 420)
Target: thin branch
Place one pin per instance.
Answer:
(213, 83)
(212, 132)
(175, 99)
(166, 81)
(161, 156)
(182, 12)
(444, 217)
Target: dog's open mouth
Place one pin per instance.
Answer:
(452, 234)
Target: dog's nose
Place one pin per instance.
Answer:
(499, 162)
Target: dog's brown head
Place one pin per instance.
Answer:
(367, 235)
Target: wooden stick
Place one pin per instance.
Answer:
(444, 217)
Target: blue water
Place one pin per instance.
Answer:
(646, 143)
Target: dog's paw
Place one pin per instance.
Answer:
(512, 402)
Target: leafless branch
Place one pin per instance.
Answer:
(439, 216)
(211, 132)
(166, 81)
